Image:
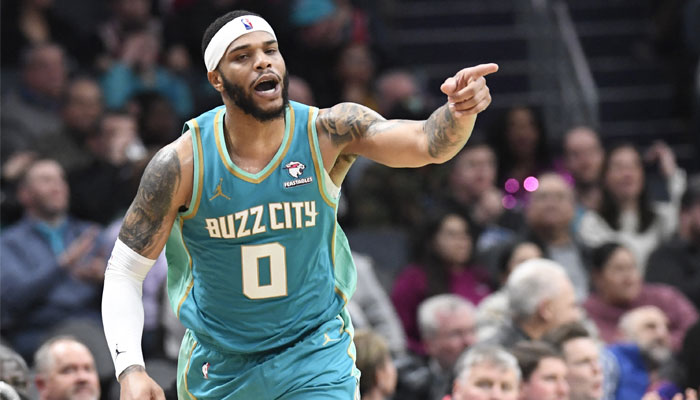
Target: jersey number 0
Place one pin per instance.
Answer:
(250, 266)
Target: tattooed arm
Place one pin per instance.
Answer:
(166, 186)
(354, 129)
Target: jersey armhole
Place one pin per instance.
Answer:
(198, 169)
(329, 190)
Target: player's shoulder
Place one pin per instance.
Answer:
(174, 160)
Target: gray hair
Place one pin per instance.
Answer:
(626, 322)
(432, 306)
(43, 359)
(492, 355)
(531, 283)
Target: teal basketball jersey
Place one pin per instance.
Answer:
(258, 261)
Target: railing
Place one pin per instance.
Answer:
(558, 69)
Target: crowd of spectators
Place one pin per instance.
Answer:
(537, 270)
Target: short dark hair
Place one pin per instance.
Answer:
(601, 255)
(530, 353)
(219, 23)
(559, 336)
(507, 251)
(24, 175)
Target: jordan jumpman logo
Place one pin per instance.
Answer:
(218, 192)
(328, 339)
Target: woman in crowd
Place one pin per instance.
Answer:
(520, 141)
(442, 265)
(618, 288)
(627, 215)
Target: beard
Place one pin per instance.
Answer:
(246, 103)
(656, 355)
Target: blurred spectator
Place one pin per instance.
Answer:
(493, 311)
(65, 370)
(375, 363)
(544, 372)
(541, 298)
(158, 124)
(137, 70)
(27, 23)
(583, 156)
(549, 215)
(10, 173)
(677, 262)
(400, 96)
(522, 149)
(14, 373)
(31, 112)
(626, 214)
(472, 187)
(80, 112)
(381, 196)
(583, 360)
(119, 159)
(322, 29)
(125, 18)
(447, 328)
(371, 308)
(48, 274)
(355, 75)
(690, 356)
(487, 373)
(619, 288)
(299, 90)
(644, 361)
(443, 265)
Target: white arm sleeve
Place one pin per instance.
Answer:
(122, 307)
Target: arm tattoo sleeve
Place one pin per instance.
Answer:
(440, 128)
(347, 121)
(153, 201)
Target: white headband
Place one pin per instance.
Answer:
(230, 32)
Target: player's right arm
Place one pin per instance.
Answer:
(165, 188)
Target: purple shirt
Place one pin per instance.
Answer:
(679, 310)
(411, 287)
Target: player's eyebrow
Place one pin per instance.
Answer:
(245, 46)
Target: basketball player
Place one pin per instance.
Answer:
(258, 269)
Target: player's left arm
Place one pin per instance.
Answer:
(357, 130)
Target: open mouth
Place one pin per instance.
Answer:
(266, 86)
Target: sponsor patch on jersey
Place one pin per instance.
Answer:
(296, 170)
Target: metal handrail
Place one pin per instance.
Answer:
(559, 72)
(582, 69)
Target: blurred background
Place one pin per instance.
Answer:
(90, 90)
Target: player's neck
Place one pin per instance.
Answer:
(248, 137)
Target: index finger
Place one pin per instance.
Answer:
(483, 69)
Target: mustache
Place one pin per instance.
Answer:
(279, 78)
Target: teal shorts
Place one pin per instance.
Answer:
(319, 366)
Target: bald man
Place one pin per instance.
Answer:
(645, 358)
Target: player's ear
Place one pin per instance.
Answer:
(215, 80)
